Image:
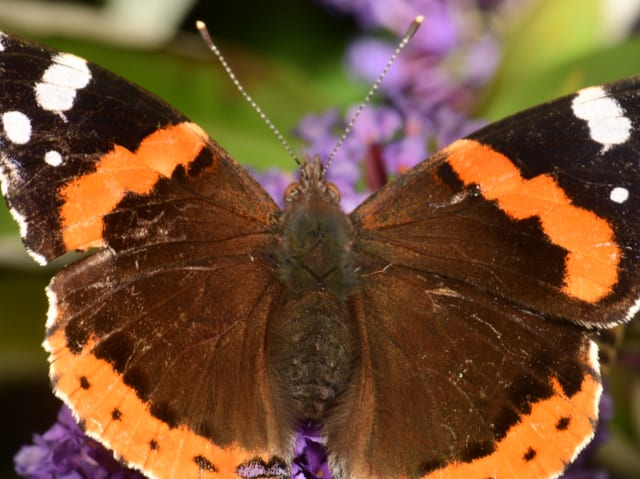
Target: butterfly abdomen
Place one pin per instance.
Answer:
(311, 352)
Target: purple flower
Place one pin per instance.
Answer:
(314, 127)
(65, 452)
(439, 33)
(310, 455)
(453, 53)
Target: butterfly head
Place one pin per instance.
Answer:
(312, 184)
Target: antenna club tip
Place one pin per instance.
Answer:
(413, 28)
(200, 25)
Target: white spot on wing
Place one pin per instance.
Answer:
(3, 36)
(53, 158)
(17, 127)
(619, 194)
(607, 122)
(60, 82)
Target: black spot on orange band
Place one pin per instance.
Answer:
(563, 423)
(204, 464)
(529, 455)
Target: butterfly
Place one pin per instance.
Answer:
(440, 330)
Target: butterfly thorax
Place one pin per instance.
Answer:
(311, 332)
(315, 250)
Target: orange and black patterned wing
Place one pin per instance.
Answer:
(484, 268)
(156, 338)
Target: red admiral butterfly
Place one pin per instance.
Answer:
(439, 330)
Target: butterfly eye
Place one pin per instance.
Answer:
(334, 191)
(290, 191)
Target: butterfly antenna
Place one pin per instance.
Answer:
(204, 33)
(413, 28)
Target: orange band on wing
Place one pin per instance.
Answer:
(544, 441)
(86, 200)
(115, 416)
(591, 265)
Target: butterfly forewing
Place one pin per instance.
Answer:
(61, 116)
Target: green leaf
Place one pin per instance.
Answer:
(538, 48)
(595, 67)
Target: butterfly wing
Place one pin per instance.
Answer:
(459, 385)
(482, 270)
(156, 338)
(554, 208)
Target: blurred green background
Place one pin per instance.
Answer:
(289, 56)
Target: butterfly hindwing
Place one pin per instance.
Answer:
(481, 402)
